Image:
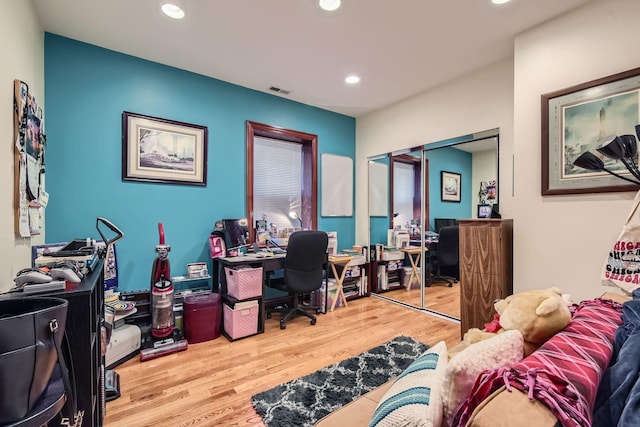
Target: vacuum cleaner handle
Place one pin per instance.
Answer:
(112, 227)
(161, 232)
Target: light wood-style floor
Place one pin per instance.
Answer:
(437, 297)
(211, 383)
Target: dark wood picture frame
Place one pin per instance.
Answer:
(450, 186)
(163, 151)
(568, 131)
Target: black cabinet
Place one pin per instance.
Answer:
(84, 320)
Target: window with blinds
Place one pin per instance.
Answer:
(403, 193)
(277, 181)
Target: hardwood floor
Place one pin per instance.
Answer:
(211, 383)
(437, 297)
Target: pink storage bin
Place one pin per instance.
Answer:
(243, 283)
(241, 320)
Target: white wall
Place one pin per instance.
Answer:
(475, 103)
(484, 169)
(563, 240)
(22, 53)
(558, 240)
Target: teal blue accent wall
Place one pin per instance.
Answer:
(379, 225)
(86, 90)
(451, 160)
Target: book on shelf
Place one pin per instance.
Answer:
(351, 252)
(120, 318)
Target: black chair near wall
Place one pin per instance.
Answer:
(303, 273)
(446, 256)
(438, 223)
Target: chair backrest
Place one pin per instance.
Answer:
(448, 245)
(306, 256)
(438, 223)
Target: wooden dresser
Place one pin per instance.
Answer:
(486, 269)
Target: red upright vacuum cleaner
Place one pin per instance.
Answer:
(162, 320)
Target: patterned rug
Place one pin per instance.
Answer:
(304, 401)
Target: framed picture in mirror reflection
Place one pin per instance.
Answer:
(484, 211)
(451, 186)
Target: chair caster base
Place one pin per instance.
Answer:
(313, 321)
(283, 326)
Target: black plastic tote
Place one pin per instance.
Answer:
(31, 332)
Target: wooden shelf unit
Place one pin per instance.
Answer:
(393, 276)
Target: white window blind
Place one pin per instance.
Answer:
(403, 191)
(277, 181)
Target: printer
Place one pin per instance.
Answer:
(123, 345)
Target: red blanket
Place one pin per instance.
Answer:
(565, 372)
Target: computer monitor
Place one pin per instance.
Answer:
(235, 232)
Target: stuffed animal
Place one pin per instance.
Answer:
(537, 314)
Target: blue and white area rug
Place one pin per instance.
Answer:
(304, 401)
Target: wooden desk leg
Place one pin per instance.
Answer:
(414, 270)
(339, 291)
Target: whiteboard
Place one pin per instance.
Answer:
(337, 185)
(378, 189)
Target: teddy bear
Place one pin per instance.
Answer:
(537, 314)
(523, 322)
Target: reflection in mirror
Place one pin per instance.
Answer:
(378, 199)
(472, 161)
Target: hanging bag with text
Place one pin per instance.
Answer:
(622, 266)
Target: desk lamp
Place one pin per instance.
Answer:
(623, 148)
(294, 215)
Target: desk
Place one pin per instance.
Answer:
(341, 261)
(269, 264)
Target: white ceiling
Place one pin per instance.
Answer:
(400, 48)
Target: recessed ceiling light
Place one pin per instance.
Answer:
(499, 1)
(172, 11)
(352, 79)
(329, 4)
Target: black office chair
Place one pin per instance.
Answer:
(303, 272)
(446, 255)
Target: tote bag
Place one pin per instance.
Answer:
(622, 266)
(31, 333)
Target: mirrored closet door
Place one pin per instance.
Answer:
(413, 194)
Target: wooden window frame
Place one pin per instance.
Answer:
(309, 142)
(409, 160)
